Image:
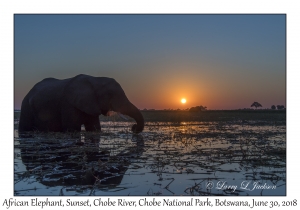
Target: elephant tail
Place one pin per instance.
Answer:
(26, 117)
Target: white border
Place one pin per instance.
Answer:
(9, 8)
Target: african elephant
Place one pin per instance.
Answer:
(64, 105)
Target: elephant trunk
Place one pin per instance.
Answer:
(133, 112)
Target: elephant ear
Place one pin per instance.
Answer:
(81, 94)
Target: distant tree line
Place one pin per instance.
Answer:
(148, 109)
(256, 104)
(204, 108)
(198, 108)
(279, 107)
(192, 109)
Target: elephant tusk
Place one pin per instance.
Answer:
(110, 113)
(122, 116)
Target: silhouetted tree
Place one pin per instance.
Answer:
(273, 107)
(280, 107)
(198, 108)
(256, 104)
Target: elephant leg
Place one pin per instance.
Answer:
(71, 119)
(92, 123)
(69, 126)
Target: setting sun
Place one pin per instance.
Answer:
(183, 101)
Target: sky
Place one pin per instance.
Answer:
(218, 61)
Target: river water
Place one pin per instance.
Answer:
(187, 158)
